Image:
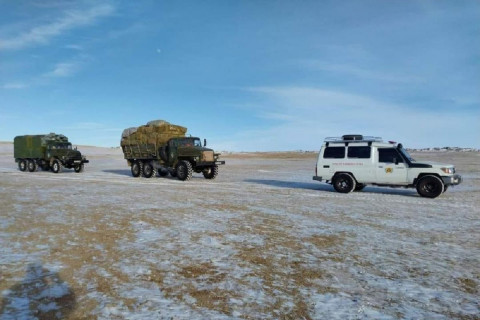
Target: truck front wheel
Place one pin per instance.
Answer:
(184, 170)
(344, 183)
(430, 186)
(211, 173)
(79, 168)
(22, 165)
(57, 166)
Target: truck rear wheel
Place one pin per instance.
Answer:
(344, 183)
(211, 173)
(148, 171)
(57, 166)
(136, 169)
(22, 165)
(184, 170)
(32, 166)
(430, 186)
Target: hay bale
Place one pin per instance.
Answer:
(156, 123)
(127, 132)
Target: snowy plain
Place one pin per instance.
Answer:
(262, 241)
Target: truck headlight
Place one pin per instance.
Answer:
(448, 170)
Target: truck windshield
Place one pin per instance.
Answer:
(189, 143)
(62, 146)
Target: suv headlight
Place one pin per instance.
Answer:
(448, 170)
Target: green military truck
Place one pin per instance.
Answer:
(161, 148)
(47, 151)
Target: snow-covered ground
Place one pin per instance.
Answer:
(262, 241)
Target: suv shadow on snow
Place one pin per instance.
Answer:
(292, 184)
(42, 294)
(329, 188)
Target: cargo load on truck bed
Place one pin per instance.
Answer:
(156, 132)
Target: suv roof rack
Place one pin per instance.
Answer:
(354, 138)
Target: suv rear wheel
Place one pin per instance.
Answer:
(344, 183)
(430, 186)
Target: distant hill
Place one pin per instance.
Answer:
(445, 149)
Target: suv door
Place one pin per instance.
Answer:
(391, 168)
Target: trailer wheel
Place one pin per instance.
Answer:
(211, 173)
(136, 169)
(57, 166)
(32, 166)
(22, 165)
(184, 170)
(148, 170)
(79, 168)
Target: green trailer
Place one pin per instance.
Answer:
(48, 152)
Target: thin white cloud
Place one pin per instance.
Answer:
(64, 69)
(14, 85)
(67, 68)
(301, 117)
(361, 73)
(74, 47)
(42, 34)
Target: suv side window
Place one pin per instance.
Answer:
(360, 152)
(334, 153)
(389, 155)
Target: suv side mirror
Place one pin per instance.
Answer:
(204, 142)
(395, 160)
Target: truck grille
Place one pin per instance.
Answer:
(207, 156)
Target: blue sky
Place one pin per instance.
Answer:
(246, 75)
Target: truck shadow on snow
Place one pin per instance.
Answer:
(123, 172)
(42, 294)
(329, 188)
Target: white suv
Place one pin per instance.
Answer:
(351, 162)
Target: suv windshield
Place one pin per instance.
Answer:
(406, 154)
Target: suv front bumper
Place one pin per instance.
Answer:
(452, 180)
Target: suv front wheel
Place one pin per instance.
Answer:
(430, 186)
(344, 182)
